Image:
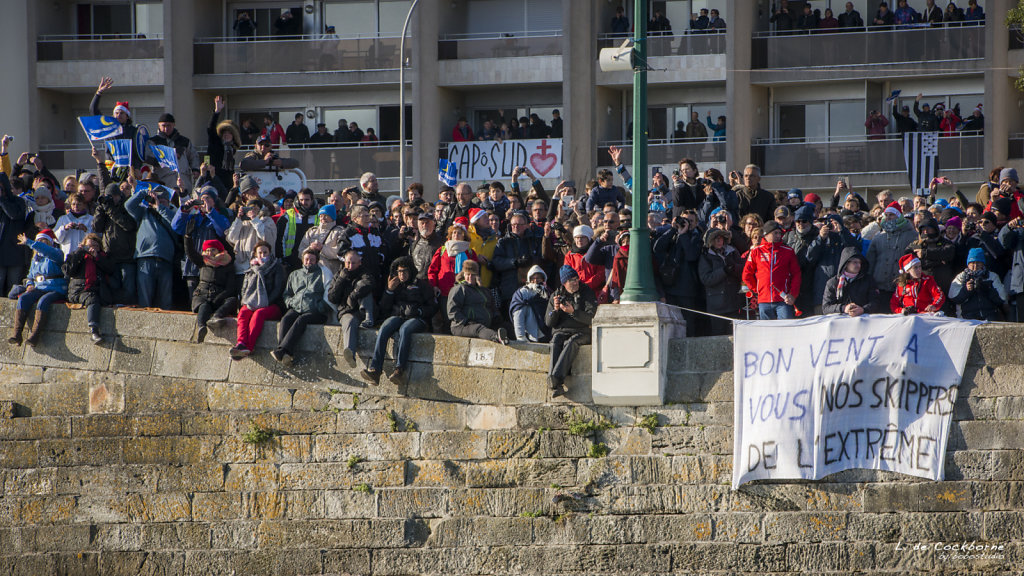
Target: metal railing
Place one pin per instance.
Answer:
(99, 47)
(689, 43)
(836, 49)
(264, 55)
(666, 151)
(499, 45)
(1015, 147)
(860, 155)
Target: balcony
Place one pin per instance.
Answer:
(869, 53)
(340, 163)
(526, 57)
(76, 61)
(667, 153)
(306, 61)
(689, 57)
(1015, 147)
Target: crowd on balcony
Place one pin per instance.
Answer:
(499, 128)
(297, 133)
(507, 260)
(809, 19)
(706, 21)
(926, 118)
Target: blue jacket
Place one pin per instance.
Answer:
(155, 238)
(46, 261)
(205, 227)
(601, 196)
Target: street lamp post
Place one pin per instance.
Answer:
(401, 103)
(639, 286)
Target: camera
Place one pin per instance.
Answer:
(721, 219)
(675, 173)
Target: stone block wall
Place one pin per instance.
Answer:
(132, 458)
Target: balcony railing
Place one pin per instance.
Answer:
(103, 47)
(666, 152)
(1015, 148)
(263, 55)
(689, 44)
(858, 155)
(835, 49)
(503, 45)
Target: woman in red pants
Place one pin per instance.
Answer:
(262, 289)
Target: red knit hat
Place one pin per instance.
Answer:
(213, 244)
(907, 262)
(895, 209)
(48, 234)
(812, 197)
(462, 222)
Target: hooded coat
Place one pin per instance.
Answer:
(412, 299)
(860, 291)
(721, 274)
(217, 278)
(885, 252)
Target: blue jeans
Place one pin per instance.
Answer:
(776, 311)
(526, 326)
(154, 282)
(41, 299)
(403, 342)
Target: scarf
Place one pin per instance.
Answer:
(228, 163)
(457, 249)
(894, 225)
(43, 215)
(257, 296)
(844, 279)
(90, 273)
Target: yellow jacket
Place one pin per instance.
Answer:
(483, 247)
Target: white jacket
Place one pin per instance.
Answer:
(243, 236)
(70, 239)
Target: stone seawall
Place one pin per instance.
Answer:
(140, 457)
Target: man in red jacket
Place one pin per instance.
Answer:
(773, 272)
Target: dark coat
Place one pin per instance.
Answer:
(74, 271)
(584, 304)
(413, 299)
(470, 305)
(216, 283)
(860, 291)
(422, 252)
(348, 288)
(116, 225)
(684, 250)
(12, 223)
(722, 275)
(513, 257)
(827, 254)
(937, 259)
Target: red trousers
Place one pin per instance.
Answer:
(250, 323)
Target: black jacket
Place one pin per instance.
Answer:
(687, 196)
(722, 275)
(683, 252)
(760, 202)
(414, 299)
(584, 304)
(513, 257)
(216, 283)
(470, 305)
(926, 121)
(348, 288)
(74, 271)
(116, 225)
(982, 303)
(422, 252)
(903, 123)
(860, 291)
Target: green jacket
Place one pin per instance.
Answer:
(470, 304)
(305, 292)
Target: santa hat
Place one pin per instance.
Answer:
(978, 108)
(894, 209)
(462, 222)
(476, 214)
(48, 235)
(213, 244)
(907, 262)
(123, 107)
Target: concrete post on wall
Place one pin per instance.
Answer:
(579, 154)
(20, 109)
(740, 95)
(425, 97)
(1000, 94)
(179, 98)
(630, 352)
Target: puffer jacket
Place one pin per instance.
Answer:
(885, 252)
(985, 302)
(722, 275)
(367, 242)
(536, 299)
(441, 273)
(590, 273)
(860, 291)
(470, 304)
(305, 291)
(243, 235)
(116, 225)
(348, 287)
(45, 271)
(584, 303)
(216, 283)
(413, 299)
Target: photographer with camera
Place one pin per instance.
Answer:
(1012, 238)
(263, 158)
(676, 254)
(155, 243)
(826, 252)
(570, 312)
(977, 292)
(200, 219)
(117, 229)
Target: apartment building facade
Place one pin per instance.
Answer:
(795, 103)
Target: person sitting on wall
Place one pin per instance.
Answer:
(471, 307)
(569, 314)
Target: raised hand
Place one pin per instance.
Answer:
(218, 104)
(105, 84)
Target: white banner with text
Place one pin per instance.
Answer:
(493, 160)
(830, 393)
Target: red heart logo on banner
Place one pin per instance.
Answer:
(543, 163)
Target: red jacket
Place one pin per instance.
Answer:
(441, 273)
(772, 269)
(1015, 212)
(590, 274)
(276, 134)
(917, 295)
(458, 137)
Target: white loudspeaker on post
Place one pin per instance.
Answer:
(618, 59)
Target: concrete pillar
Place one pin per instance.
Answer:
(179, 98)
(741, 98)
(1000, 95)
(19, 102)
(425, 95)
(579, 152)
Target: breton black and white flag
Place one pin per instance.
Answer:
(921, 152)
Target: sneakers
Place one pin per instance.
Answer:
(201, 334)
(397, 375)
(96, 338)
(239, 352)
(557, 389)
(503, 336)
(216, 322)
(371, 376)
(350, 358)
(281, 356)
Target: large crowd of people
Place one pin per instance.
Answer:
(811, 20)
(505, 261)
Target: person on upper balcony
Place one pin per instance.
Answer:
(619, 24)
(905, 15)
(828, 22)
(287, 25)
(876, 125)
(699, 22)
(975, 122)
(851, 18)
(321, 137)
(974, 13)
(927, 121)
(462, 132)
(298, 132)
(659, 25)
(244, 26)
(808, 20)
(953, 13)
(272, 130)
(782, 17)
(884, 16)
(932, 13)
(904, 123)
(714, 22)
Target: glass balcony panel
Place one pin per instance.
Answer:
(668, 153)
(692, 44)
(462, 48)
(99, 48)
(849, 156)
(270, 56)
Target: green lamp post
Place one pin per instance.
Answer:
(640, 273)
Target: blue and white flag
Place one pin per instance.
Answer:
(165, 156)
(447, 172)
(895, 94)
(120, 151)
(100, 127)
(921, 153)
(141, 139)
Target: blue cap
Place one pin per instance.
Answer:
(566, 273)
(976, 255)
(330, 210)
(942, 202)
(805, 212)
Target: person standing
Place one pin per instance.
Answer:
(297, 133)
(619, 24)
(772, 271)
